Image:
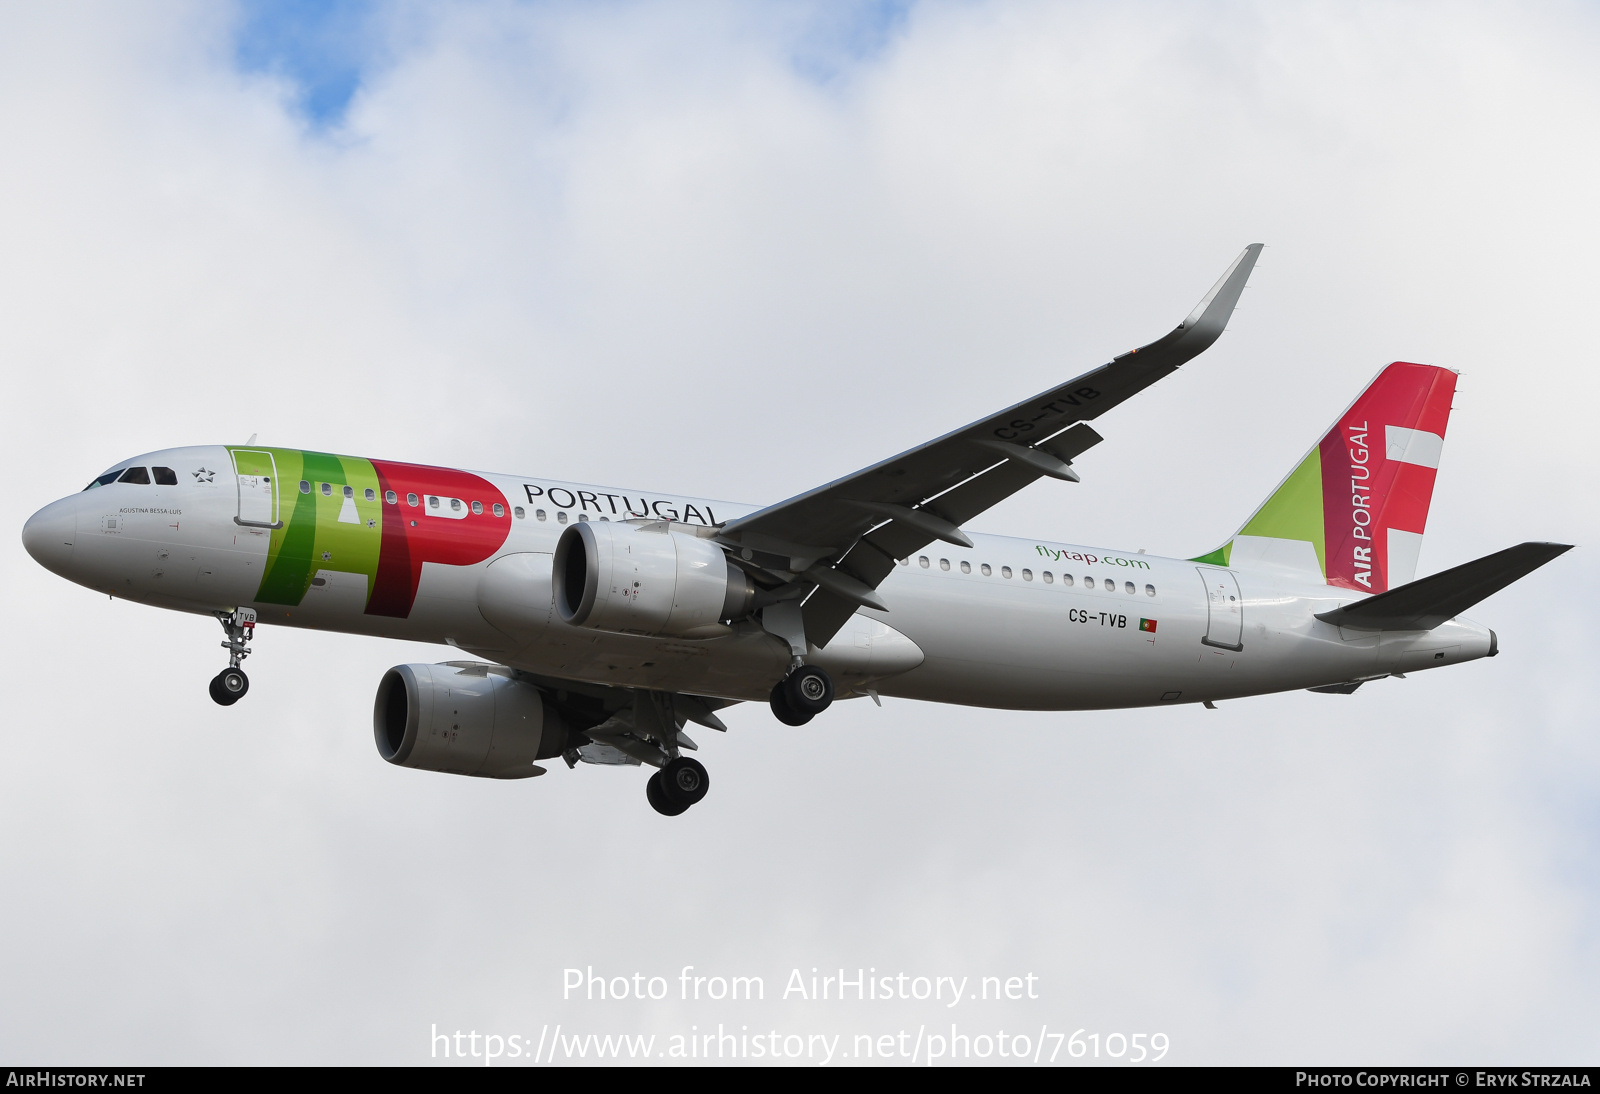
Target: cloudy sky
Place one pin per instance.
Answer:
(736, 250)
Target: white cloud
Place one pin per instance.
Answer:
(642, 245)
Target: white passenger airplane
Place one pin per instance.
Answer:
(607, 619)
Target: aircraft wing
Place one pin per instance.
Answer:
(842, 539)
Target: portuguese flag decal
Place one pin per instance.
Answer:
(1147, 625)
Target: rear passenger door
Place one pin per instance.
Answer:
(1224, 609)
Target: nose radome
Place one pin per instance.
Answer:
(49, 535)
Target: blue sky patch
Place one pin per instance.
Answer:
(321, 47)
(841, 36)
(325, 49)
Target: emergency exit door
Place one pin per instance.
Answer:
(1224, 609)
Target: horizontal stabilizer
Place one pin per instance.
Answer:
(1423, 605)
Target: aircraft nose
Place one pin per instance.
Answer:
(49, 535)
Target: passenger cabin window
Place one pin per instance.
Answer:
(1005, 571)
(944, 564)
(455, 505)
(305, 487)
(477, 508)
(350, 492)
(136, 475)
(1149, 590)
(561, 517)
(1027, 575)
(1088, 583)
(538, 514)
(986, 571)
(1066, 579)
(390, 496)
(499, 510)
(584, 517)
(1128, 587)
(519, 511)
(903, 561)
(105, 480)
(370, 494)
(1048, 577)
(922, 560)
(966, 567)
(165, 476)
(327, 489)
(433, 501)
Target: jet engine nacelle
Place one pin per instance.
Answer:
(646, 580)
(464, 720)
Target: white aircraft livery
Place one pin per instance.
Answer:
(605, 620)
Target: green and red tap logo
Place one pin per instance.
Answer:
(377, 518)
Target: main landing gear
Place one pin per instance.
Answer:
(229, 685)
(677, 786)
(802, 695)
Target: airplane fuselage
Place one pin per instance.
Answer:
(437, 555)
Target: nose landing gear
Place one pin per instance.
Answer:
(802, 695)
(229, 685)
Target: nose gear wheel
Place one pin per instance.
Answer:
(229, 686)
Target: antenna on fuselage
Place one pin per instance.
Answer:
(252, 439)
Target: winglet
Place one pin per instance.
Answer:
(1210, 316)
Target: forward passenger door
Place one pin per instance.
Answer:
(258, 488)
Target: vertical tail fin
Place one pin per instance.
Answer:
(1353, 511)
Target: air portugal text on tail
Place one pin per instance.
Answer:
(1378, 467)
(604, 623)
(1356, 507)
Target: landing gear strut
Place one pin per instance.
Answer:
(802, 695)
(229, 685)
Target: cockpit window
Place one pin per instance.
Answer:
(165, 476)
(138, 475)
(105, 480)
